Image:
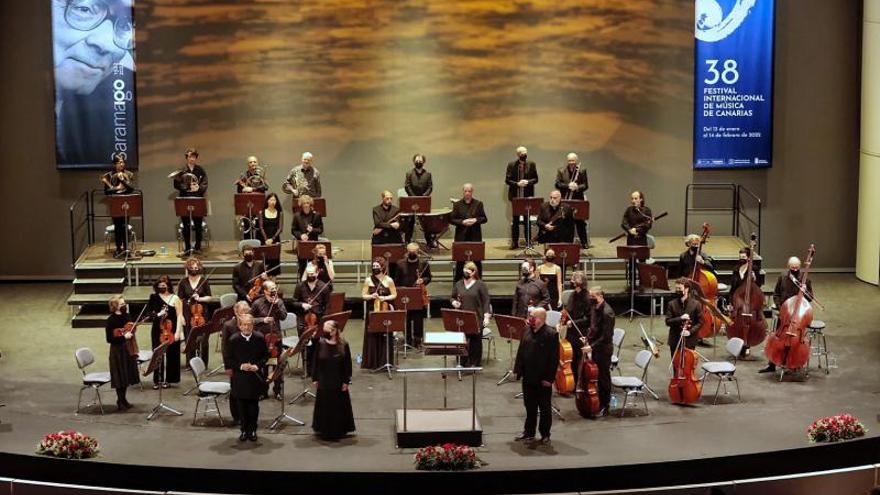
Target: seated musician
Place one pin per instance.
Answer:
(555, 220)
(323, 266)
(691, 260)
(471, 294)
(413, 271)
(119, 181)
(785, 289)
(310, 296)
(252, 180)
(307, 224)
(418, 182)
(386, 226)
(267, 311)
(530, 291)
(245, 274)
(680, 311)
(467, 215)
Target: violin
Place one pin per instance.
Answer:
(166, 331)
(586, 392)
(564, 375)
(197, 314)
(708, 290)
(131, 344)
(789, 345)
(748, 307)
(256, 289)
(684, 386)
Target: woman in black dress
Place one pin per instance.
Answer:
(331, 372)
(551, 274)
(123, 365)
(471, 294)
(192, 289)
(378, 289)
(271, 220)
(165, 305)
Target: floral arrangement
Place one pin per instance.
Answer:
(447, 457)
(836, 428)
(69, 445)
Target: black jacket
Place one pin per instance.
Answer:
(418, 184)
(785, 288)
(564, 223)
(247, 385)
(688, 259)
(382, 219)
(408, 272)
(531, 292)
(538, 356)
(319, 297)
(512, 176)
(301, 221)
(202, 177)
(241, 276)
(564, 176)
(674, 311)
(462, 211)
(262, 308)
(601, 334)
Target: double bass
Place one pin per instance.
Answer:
(564, 375)
(789, 345)
(586, 392)
(708, 291)
(748, 306)
(684, 386)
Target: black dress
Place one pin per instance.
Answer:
(171, 373)
(270, 228)
(375, 350)
(549, 280)
(185, 291)
(123, 366)
(333, 417)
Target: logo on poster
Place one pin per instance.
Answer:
(711, 25)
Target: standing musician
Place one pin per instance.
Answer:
(551, 274)
(164, 305)
(386, 225)
(271, 221)
(737, 278)
(536, 362)
(412, 271)
(520, 177)
(637, 220)
(245, 273)
(230, 328)
(786, 288)
(247, 356)
(119, 181)
(530, 290)
(679, 310)
(310, 296)
(267, 311)
(555, 220)
(600, 343)
(123, 365)
(571, 180)
(378, 288)
(471, 294)
(195, 288)
(323, 267)
(691, 257)
(579, 312)
(467, 216)
(418, 182)
(191, 182)
(303, 179)
(333, 417)
(253, 179)
(307, 224)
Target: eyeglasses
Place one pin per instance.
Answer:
(86, 15)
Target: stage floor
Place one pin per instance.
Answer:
(40, 385)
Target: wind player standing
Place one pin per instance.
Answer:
(467, 216)
(412, 271)
(571, 180)
(191, 182)
(520, 177)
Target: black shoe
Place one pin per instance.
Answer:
(545, 440)
(253, 436)
(120, 406)
(127, 404)
(524, 437)
(236, 422)
(244, 436)
(770, 368)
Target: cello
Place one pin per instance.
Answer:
(789, 345)
(564, 375)
(684, 386)
(586, 392)
(708, 290)
(748, 306)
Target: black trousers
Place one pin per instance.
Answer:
(415, 327)
(233, 408)
(537, 398)
(581, 228)
(249, 413)
(514, 230)
(197, 226)
(603, 362)
(459, 270)
(120, 233)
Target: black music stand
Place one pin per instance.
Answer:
(306, 249)
(568, 252)
(157, 362)
(191, 207)
(278, 376)
(265, 253)
(525, 207)
(511, 328)
(125, 206)
(580, 208)
(248, 205)
(319, 205)
(341, 318)
(631, 254)
(411, 300)
(653, 277)
(387, 322)
(413, 206)
(391, 253)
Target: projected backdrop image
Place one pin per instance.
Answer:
(365, 85)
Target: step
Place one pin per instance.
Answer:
(89, 320)
(98, 285)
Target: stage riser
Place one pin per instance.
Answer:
(412, 440)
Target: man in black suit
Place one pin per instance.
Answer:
(521, 177)
(572, 181)
(600, 343)
(555, 221)
(247, 356)
(230, 328)
(244, 273)
(386, 223)
(418, 182)
(413, 271)
(536, 361)
(191, 182)
(467, 216)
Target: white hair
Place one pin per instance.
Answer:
(571, 156)
(793, 259)
(306, 155)
(522, 149)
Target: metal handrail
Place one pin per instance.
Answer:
(82, 199)
(736, 209)
(444, 371)
(100, 192)
(741, 213)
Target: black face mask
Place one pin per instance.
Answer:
(192, 273)
(679, 293)
(523, 158)
(249, 257)
(593, 300)
(413, 256)
(468, 275)
(377, 271)
(419, 165)
(550, 258)
(311, 278)
(163, 290)
(694, 249)
(525, 273)
(795, 272)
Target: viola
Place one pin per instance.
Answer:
(166, 331)
(684, 386)
(748, 307)
(131, 344)
(789, 345)
(272, 340)
(197, 315)
(564, 375)
(708, 290)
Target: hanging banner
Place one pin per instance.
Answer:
(733, 83)
(95, 104)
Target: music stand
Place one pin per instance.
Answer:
(468, 251)
(387, 322)
(653, 277)
(525, 207)
(306, 249)
(125, 206)
(568, 252)
(278, 376)
(319, 205)
(265, 253)
(631, 254)
(413, 206)
(157, 362)
(336, 303)
(466, 322)
(341, 318)
(411, 299)
(191, 207)
(391, 253)
(580, 208)
(511, 328)
(248, 205)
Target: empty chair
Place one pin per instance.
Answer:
(206, 234)
(486, 334)
(634, 385)
(553, 318)
(288, 323)
(109, 235)
(248, 242)
(819, 348)
(566, 296)
(617, 342)
(228, 299)
(95, 380)
(725, 370)
(208, 391)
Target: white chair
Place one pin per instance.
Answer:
(109, 237)
(143, 358)
(248, 243)
(566, 296)
(85, 357)
(228, 299)
(634, 385)
(553, 318)
(289, 343)
(288, 323)
(617, 342)
(725, 370)
(491, 348)
(208, 391)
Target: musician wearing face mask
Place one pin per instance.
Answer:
(599, 343)
(520, 177)
(530, 291)
(378, 288)
(467, 215)
(165, 305)
(471, 294)
(308, 225)
(322, 265)
(579, 311)
(680, 311)
(412, 271)
(536, 362)
(119, 181)
(637, 220)
(267, 311)
(191, 182)
(737, 278)
(551, 274)
(555, 221)
(245, 273)
(386, 223)
(195, 288)
(571, 181)
(247, 356)
(788, 285)
(418, 182)
(310, 296)
(691, 259)
(230, 328)
(123, 365)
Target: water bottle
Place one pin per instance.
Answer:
(613, 404)
(358, 359)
